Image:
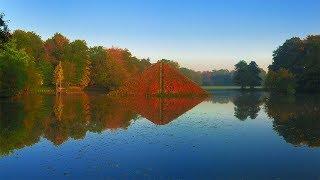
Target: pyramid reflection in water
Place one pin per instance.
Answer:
(160, 111)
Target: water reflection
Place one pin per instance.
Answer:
(58, 118)
(296, 118)
(247, 105)
(21, 122)
(207, 140)
(160, 110)
(224, 97)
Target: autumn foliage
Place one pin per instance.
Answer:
(159, 79)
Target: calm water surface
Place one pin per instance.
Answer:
(229, 135)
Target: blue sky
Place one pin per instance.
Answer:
(199, 34)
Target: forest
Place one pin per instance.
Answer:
(296, 66)
(30, 64)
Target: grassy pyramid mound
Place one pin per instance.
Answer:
(160, 79)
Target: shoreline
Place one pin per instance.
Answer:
(237, 88)
(95, 90)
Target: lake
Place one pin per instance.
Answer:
(229, 135)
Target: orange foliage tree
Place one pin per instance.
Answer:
(55, 48)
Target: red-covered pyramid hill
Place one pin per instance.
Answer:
(160, 79)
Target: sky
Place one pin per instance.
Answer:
(199, 34)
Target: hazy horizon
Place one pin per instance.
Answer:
(200, 35)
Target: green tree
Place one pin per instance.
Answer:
(109, 67)
(76, 63)
(241, 74)
(47, 72)
(34, 77)
(302, 59)
(254, 78)
(31, 43)
(309, 78)
(4, 30)
(98, 58)
(221, 77)
(13, 70)
(288, 56)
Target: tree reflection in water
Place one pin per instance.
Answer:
(21, 122)
(25, 120)
(247, 105)
(296, 118)
(57, 118)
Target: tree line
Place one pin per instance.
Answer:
(296, 66)
(28, 63)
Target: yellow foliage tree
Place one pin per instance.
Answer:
(58, 76)
(86, 75)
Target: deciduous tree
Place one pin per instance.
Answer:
(55, 48)
(58, 76)
(13, 70)
(4, 30)
(254, 78)
(76, 63)
(31, 43)
(241, 74)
